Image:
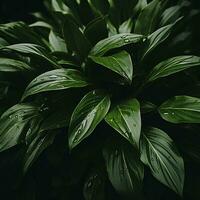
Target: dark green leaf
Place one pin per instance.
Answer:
(160, 154)
(114, 42)
(13, 123)
(120, 63)
(11, 65)
(173, 65)
(181, 109)
(100, 6)
(75, 39)
(126, 27)
(31, 49)
(124, 168)
(58, 79)
(147, 106)
(125, 118)
(87, 115)
(148, 19)
(35, 148)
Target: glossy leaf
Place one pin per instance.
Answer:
(126, 27)
(35, 148)
(160, 154)
(120, 63)
(114, 42)
(75, 39)
(31, 49)
(173, 65)
(58, 79)
(156, 38)
(57, 43)
(87, 115)
(13, 123)
(148, 19)
(11, 65)
(124, 168)
(170, 15)
(181, 109)
(125, 118)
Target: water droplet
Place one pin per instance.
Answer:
(53, 76)
(10, 116)
(126, 40)
(89, 184)
(173, 113)
(144, 39)
(94, 92)
(166, 113)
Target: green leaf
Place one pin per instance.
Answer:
(94, 186)
(172, 66)
(147, 106)
(31, 49)
(125, 118)
(156, 38)
(181, 109)
(100, 6)
(87, 115)
(170, 15)
(58, 79)
(120, 63)
(13, 124)
(126, 27)
(35, 148)
(148, 19)
(124, 168)
(11, 65)
(75, 39)
(41, 24)
(56, 42)
(114, 42)
(96, 30)
(160, 154)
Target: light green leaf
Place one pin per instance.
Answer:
(87, 115)
(57, 43)
(124, 168)
(13, 124)
(181, 109)
(41, 24)
(11, 65)
(126, 27)
(75, 39)
(120, 63)
(125, 118)
(114, 42)
(58, 79)
(148, 19)
(160, 154)
(36, 147)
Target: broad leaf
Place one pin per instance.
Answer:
(125, 118)
(120, 63)
(124, 168)
(58, 79)
(87, 115)
(114, 42)
(13, 124)
(36, 147)
(148, 19)
(56, 42)
(126, 27)
(173, 65)
(181, 109)
(11, 65)
(147, 107)
(31, 49)
(170, 15)
(160, 154)
(75, 39)
(156, 38)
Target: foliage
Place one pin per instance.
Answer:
(117, 78)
